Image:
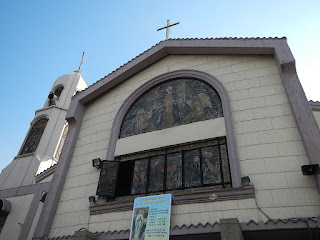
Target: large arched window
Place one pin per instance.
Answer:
(34, 136)
(172, 103)
(178, 103)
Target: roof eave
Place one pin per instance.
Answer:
(277, 46)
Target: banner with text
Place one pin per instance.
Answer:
(151, 218)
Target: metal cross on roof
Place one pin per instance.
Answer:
(168, 28)
(79, 69)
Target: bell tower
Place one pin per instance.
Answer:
(43, 143)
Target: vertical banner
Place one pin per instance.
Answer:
(151, 218)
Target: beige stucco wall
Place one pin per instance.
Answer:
(317, 116)
(191, 132)
(19, 209)
(269, 148)
(35, 221)
(47, 179)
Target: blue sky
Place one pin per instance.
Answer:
(42, 40)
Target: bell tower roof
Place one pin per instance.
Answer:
(44, 140)
(64, 88)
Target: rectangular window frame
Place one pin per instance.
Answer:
(176, 149)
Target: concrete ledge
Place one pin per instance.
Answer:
(196, 131)
(187, 196)
(45, 173)
(84, 235)
(24, 190)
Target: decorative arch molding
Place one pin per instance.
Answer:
(193, 74)
(55, 87)
(36, 119)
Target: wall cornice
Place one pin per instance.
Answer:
(180, 197)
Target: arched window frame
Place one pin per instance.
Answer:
(34, 121)
(193, 74)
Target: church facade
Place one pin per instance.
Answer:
(221, 124)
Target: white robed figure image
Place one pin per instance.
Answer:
(140, 220)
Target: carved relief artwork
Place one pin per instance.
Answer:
(170, 104)
(34, 136)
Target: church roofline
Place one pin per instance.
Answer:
(189, 46)
(315, 106)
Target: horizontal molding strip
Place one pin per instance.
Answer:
(187, 196)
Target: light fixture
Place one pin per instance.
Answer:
(43, 198)
(245, 181)
(213, 197)
(311, 169)
(96, 163)
(92, 200)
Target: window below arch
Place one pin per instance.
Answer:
(193, 165)
(34, 136)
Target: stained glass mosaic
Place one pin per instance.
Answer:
(170, 104)
(34, 136)
(211, 165)
(174, 171)
(192, 169)
(197, 164)
(108, 179)
(225, 163)
(156, 174)
(140, 173)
